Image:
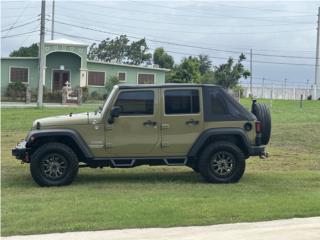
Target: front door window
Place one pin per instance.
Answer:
(60, 77)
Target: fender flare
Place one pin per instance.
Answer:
(217, 132)
(74, 135)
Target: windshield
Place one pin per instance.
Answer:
(109, 98)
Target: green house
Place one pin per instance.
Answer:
(66, 61)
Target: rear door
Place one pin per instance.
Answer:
(182, 119)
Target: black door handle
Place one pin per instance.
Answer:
(192, 122)
(149, 123)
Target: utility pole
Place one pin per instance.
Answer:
(284, 90)
(317, 72)
(42, 55)
(52, 20)
(308, 88)
(262, 87)
(251, 72)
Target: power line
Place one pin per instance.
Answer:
(211, 16)
(95, 23)
(19, 34)
(178, 44)
(170, 43)
(18, 26)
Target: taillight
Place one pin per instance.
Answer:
(258, 127)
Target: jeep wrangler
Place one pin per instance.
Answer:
(195, 125)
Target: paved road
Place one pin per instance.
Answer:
(292, 229)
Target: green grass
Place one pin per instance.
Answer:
(284, 186)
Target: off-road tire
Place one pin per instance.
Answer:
(262, 112)
(208, 160)
(41, 157)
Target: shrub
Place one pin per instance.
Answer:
(55, 96)
(95, 96)
(16, 90)
(85, 94)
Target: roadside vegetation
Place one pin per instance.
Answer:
(286, 185)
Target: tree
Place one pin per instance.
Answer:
(120, 50)
(107, 50)
(31, 51)
(228, 74)
(113, 80)
(187, 71)
(163, 59)
(137, 52)
(205, 64)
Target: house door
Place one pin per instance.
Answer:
(60, 77)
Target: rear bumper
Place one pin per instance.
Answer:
(257, 150)
(21, 151)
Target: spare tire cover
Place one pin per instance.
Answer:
(262, 112)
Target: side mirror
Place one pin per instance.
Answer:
(115, 112)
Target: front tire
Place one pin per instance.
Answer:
(222, 162)
(54, 164)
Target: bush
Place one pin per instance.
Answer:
(55, 96)
(85, 94)
(95, 96)
(16, 90)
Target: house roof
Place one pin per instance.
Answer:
(65, 41)
(131, 66)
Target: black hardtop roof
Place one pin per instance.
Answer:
(166, 85)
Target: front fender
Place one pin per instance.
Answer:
(74, 135)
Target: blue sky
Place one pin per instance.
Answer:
(219, 29)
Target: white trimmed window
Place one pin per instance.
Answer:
(146, 78)
(122, 76)
(96, 78)
(19, 74)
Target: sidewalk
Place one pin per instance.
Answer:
(291, 229)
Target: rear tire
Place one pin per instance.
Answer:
(54, 164)
(262, 112)
(222, 162)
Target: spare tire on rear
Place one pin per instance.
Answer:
(262, 112)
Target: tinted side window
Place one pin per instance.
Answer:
(218, 106)
(135, 102)
(181, 101)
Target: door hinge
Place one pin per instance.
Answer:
(108, 145)
(165, 126)
(164, 145)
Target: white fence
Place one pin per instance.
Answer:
(289, 93)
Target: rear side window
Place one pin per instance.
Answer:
(135, 103)
(181, 101)
(218, 106)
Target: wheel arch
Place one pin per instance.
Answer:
(233, 135)
(68, 137)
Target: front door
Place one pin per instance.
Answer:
(136, 131)
(60, 77)
(182, 119)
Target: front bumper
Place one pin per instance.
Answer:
(257, 151)
(21, 151)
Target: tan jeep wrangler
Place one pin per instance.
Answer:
(199, 126)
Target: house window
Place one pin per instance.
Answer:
(182, 101)
(96, 78)
(19, 75)
(145, 78)
(122, 76)
(135, 103)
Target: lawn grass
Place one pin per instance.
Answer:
(284, 186)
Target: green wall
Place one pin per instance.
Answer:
(31, 63)
(70, 61)
(132, 73)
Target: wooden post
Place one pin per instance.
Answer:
(301, 97)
